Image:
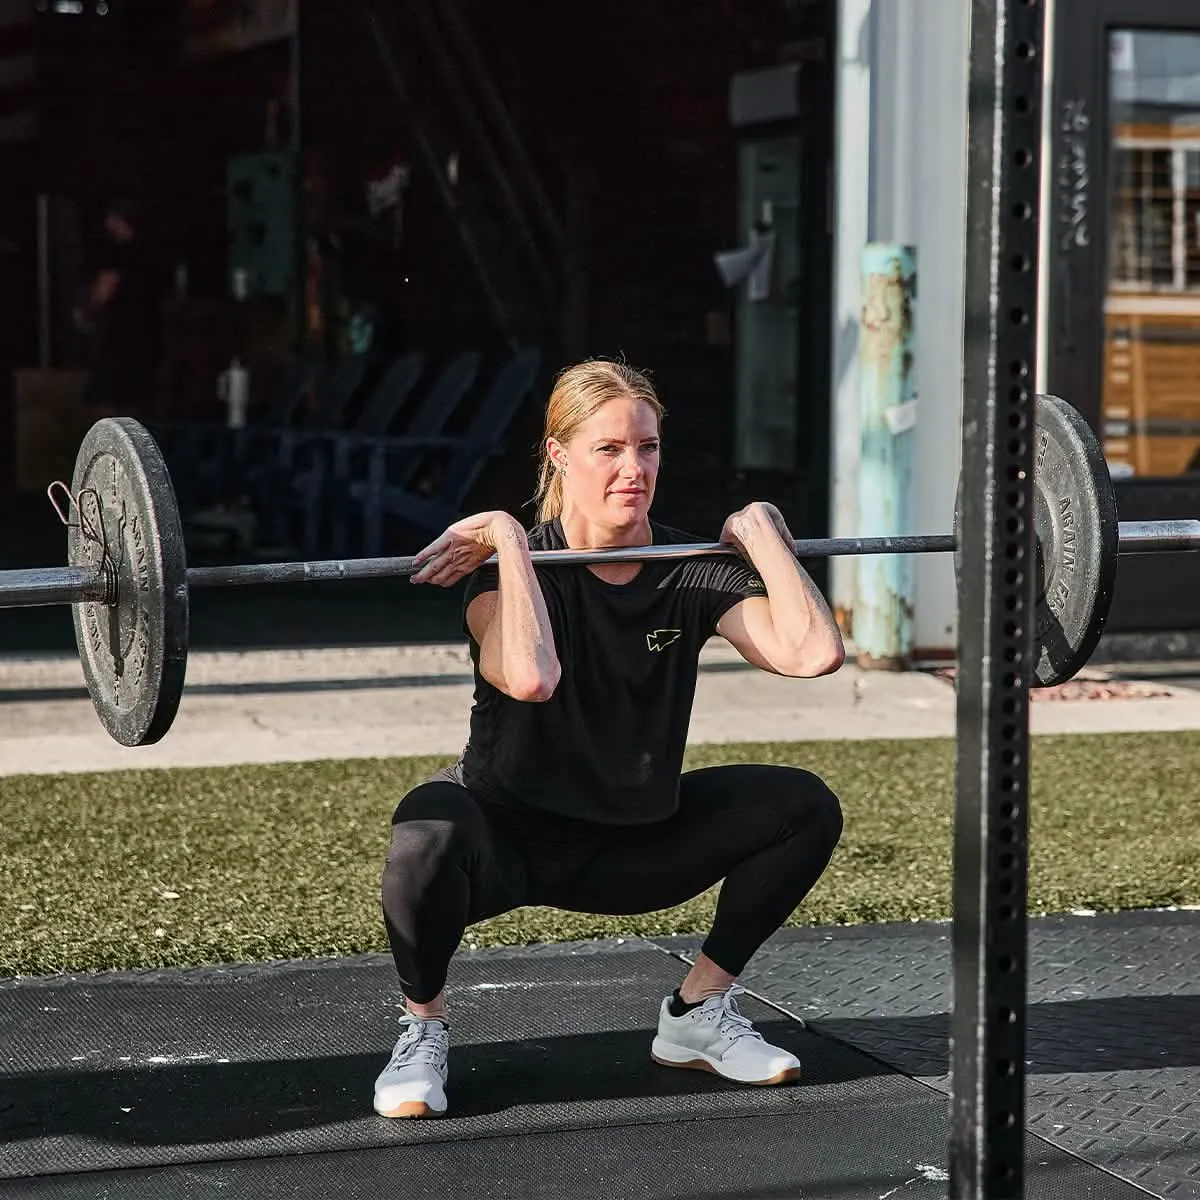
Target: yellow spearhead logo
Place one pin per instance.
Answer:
(660, 639)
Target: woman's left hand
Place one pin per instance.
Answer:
(744, 526)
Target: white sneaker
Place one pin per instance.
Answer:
(413, 1084)
(716, 1037)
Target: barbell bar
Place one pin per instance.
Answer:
(40, 586)
(128, 583)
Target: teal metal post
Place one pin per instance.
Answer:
(883, 605)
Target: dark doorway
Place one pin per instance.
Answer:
(1124, 295)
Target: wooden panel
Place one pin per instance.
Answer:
(1151, 407)
(1143, 131)
(50, 420)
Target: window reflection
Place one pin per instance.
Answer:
(1152, 345)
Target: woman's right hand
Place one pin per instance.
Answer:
(464, 546)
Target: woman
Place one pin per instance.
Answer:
(570, 792)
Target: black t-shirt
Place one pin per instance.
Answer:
(608, 746)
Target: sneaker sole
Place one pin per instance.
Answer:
(790, 1075)
(412, 1108)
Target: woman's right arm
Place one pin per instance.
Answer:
(512, 626)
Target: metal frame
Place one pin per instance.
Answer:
(996, 599)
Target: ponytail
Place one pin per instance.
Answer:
(549, 494)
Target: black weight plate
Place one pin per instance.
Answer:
(1077, 531)
(134, 654)
(1075, 519)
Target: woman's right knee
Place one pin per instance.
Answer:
(419, 846)
(433, 830)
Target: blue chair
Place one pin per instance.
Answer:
(205, 457)
(380, 494)
(290, 470)
(353, 453)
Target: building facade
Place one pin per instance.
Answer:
(690, 187)
(1120, 264)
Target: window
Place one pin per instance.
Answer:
(1156, 218)
(1152, 310)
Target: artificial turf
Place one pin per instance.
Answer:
(178, 867)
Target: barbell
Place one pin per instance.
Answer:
(128, 581)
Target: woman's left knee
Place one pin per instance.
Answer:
(812, 807)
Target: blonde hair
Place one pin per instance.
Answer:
(580, 391)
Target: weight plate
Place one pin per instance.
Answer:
(134, 653)
(1075, 519)
(1077, 531)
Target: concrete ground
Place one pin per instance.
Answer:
(269, 705)
(377, 667)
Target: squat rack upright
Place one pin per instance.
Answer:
(996, 599)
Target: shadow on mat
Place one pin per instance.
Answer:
(596, 1079)
(1069, 1037)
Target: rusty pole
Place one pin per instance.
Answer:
(883, 608)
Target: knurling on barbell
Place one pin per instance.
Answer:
(128, 580)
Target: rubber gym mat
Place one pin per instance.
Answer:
(256, 1081)
(832, 1156)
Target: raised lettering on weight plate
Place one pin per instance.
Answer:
(140, 648)
(1067, 533)
(118, 548)
(139, 553)
(92, 622)
(135, 638)
(1059, 598)
(139, 651)
(91, 612)
(96, 615)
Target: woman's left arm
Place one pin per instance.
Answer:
(790, 631)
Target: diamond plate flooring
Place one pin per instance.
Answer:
(1113, 1061)
(250, 1081)
(1113, 1054)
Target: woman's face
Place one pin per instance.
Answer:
(610, 465)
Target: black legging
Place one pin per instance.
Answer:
(768, 831)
